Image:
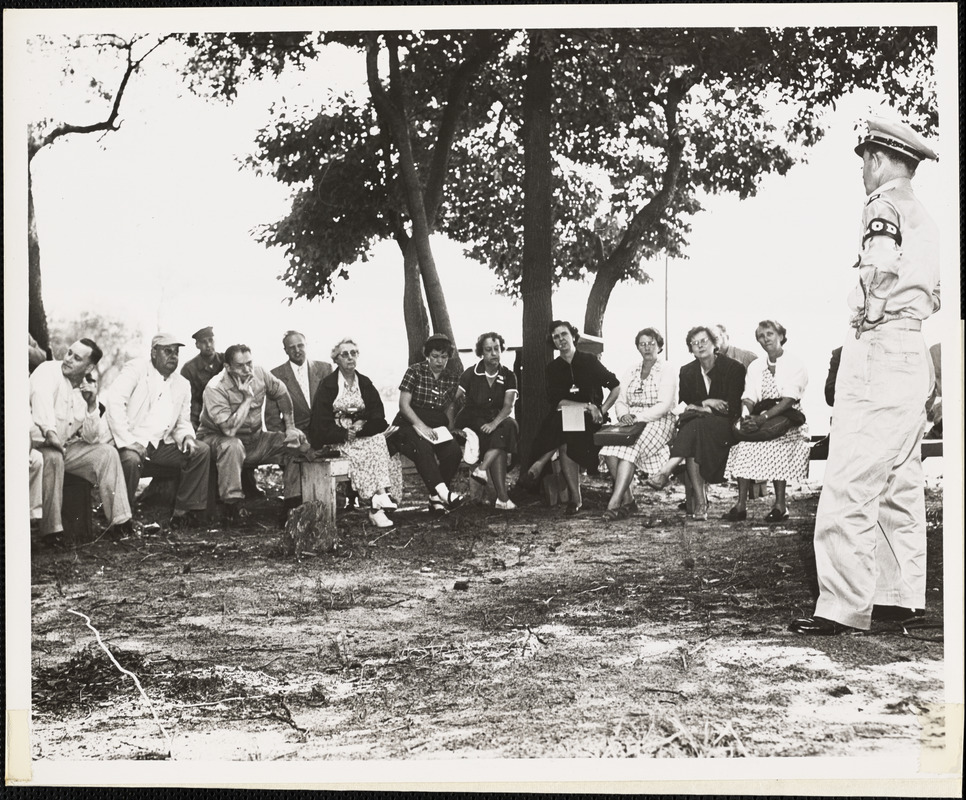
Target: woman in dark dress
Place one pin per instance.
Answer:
(710, 387)
(489, 391)
(573, 379)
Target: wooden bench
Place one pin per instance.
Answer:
(76, 511)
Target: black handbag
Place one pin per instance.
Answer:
(618, 434)
(773, 427)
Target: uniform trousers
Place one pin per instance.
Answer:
(231, 453)
(97, 463)
(192, 489)
(870, 527)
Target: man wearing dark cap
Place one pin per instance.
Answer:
(870, 528)
(149, 416)
(198, 371)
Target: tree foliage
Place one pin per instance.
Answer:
(115, 338)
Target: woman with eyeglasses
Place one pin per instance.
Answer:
(488, 391)
(709, 390)
(577, 380)
(647, 395)
(347, 411)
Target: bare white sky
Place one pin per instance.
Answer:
(152, 224)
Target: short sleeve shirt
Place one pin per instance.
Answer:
(427, 391)
(482, 399)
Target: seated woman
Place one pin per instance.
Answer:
(710, 387)
(426, 396)
(647, 395)
(347, 410)
(577, 380)
(489, 390)
(780, 378)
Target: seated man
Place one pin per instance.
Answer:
(149, 416)
(231, 424)
(302, 378)
(70, 433)
(198, 371)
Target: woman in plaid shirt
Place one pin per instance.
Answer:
(426, 402)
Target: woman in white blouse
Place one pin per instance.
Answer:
(780, 378)
(648, 392)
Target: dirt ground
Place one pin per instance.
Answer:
(478, 634)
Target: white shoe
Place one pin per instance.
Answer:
(379, 519)
(509, 505)
(479, 475)
(383, 501)
(471, 450)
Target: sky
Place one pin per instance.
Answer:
(161, 214)
(152, 225)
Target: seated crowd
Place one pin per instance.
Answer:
(726, 414)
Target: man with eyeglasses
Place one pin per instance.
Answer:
(302, 378)
(149, 416)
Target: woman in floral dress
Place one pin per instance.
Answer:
(348, 411)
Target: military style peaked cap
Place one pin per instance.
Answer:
(204, 333)
(895, 136)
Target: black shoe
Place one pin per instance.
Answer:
(683, 505)
(572, 509)
(734, 515)
(182, 522)
(896, 614)
(818, 626)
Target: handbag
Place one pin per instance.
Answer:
(772, 428)
(618, 434)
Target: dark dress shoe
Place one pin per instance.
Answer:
(776, 516)
(818, 626)
(572, 509)
(734, 515)
(896, 614)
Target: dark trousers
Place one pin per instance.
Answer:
(435, 463)
(193, 488)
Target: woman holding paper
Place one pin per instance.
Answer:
(575, 387)
(489, 390)
(348, 411)
(425, 419)
(647, 395)
(710, 390)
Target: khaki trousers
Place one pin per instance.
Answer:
(231, 453)
(870, 528)
(193, 487)
(96, 463)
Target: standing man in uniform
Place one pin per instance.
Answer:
(201, 369)
(870, 528)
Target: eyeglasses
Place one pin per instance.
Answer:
(648, 345)
(700, 342)
(348, 354)
(168, 351)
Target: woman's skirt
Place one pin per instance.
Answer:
(371, 468)
(650, 451)
(781, 459)
(707, 439)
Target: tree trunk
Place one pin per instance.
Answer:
(36, 316)
(604, 282)
(537, 268)
(414, 309)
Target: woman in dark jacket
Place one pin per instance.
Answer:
(577, 380)
(348, 411)
(709, 390)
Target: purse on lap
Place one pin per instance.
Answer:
(772, 428)
(618, 434)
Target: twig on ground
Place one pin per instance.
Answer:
(535, 635)
(219, 702)
(372, 542)
(134, 677)
(403, 546)
(665, 691)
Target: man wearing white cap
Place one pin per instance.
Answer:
(870, 528)
(149, 416)
(70, 433)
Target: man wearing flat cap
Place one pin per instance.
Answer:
(870, 528)
(149, 416)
